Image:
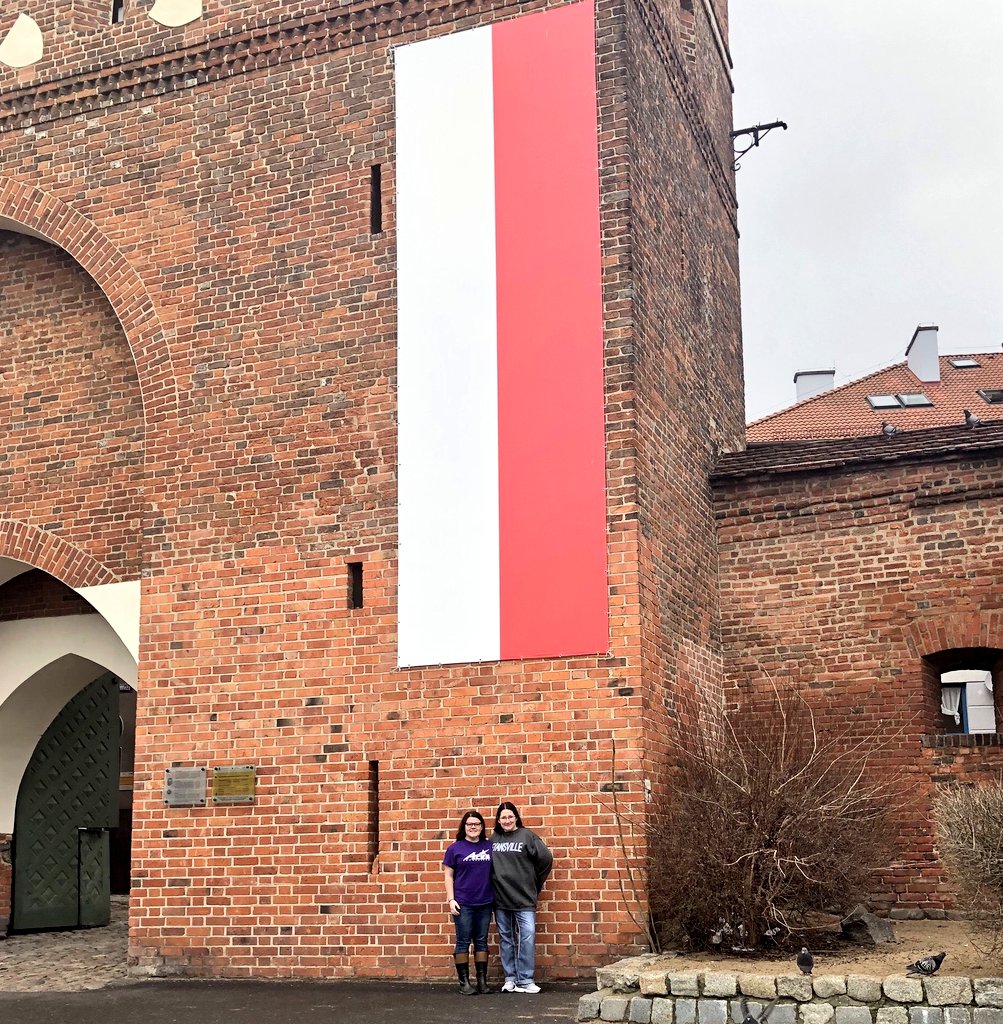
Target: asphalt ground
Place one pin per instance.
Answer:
(255, 1002)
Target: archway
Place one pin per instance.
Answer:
(67, 810)
(47, 657)
(92, 544)
(29, 210)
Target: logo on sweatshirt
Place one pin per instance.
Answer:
(508, 847)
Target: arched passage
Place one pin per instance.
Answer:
(54, 643)
(45, 663)
(93, 353)
(31, 211)
(68, 807)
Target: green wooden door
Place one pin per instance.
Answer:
(94, 877)
(67, 800)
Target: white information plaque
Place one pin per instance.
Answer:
(184, 787)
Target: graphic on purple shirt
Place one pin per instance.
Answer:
(471, 864)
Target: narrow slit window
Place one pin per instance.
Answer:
(374, 813)
(355, 595)
(117, 12)
(376, 199)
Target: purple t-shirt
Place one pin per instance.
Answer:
(471, 864)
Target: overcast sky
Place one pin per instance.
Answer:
(881, 206)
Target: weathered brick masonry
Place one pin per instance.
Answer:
(860, 570)
(687, 327)
(212, 336)
(71, 409)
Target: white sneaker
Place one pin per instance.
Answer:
(527, 988)
(509, 985)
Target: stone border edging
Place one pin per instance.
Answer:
(633, 991)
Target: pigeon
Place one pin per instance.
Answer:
(747, 1017)
(927, 965)
(971, 420)
(887, 429)
(805, 961)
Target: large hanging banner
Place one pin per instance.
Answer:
(502, 503)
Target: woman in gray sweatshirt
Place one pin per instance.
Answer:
(520, 863)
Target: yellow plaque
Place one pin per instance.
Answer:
(233, 785)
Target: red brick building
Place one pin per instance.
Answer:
(864, 568)
(199, 466)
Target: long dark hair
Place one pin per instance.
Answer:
(461, 832)
(507, 805)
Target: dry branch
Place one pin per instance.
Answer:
(970, 830)
(774, 822)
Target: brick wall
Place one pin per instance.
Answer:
(69, 401)
(37, 595)
(687, 362)
(859, 582)
(222, 204)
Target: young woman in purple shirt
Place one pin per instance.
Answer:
(467, 869)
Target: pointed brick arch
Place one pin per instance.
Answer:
(45, 551)
(43, 215)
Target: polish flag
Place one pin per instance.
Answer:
(501, 477)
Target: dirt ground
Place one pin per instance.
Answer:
(913, 940)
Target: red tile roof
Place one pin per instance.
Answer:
(845, 411)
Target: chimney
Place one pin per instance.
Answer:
(923, 354)
(812, 382)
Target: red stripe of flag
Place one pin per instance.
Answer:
(552, 500)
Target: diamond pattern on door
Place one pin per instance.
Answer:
(95, 877)
(70, 784)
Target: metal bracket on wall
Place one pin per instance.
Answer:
(755, 133)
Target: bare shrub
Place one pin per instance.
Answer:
(970, 831)
(770, 821)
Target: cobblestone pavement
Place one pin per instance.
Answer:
(53, 978)
(75, 961)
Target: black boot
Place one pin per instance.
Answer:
(463, 973)
(481, 967)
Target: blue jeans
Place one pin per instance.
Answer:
(472, 926)
(517, 943)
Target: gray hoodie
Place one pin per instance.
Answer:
(520, 863)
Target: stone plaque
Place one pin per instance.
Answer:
(233, 785)
(184, 787)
